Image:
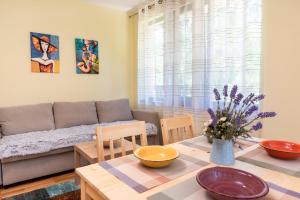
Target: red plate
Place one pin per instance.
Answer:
(282, 149)
(224, 183)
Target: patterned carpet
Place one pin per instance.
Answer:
(64, 191)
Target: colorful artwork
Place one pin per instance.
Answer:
(44, 53)
(87, 61)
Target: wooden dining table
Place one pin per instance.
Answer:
(126, 178)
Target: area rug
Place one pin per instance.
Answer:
(63, 191)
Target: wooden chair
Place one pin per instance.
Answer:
(119, 132)
(177, 129)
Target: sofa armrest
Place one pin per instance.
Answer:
(149, 117)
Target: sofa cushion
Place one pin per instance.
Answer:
(44, 141)
(115, 110)
(22, 119)
(68, 114)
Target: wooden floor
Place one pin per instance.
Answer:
(35, 185)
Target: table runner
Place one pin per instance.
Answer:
(129, 170)
(202, 144)
(190, 190)
(259, 157)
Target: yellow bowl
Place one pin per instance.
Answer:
(156, 156)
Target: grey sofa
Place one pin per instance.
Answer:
(47, 120)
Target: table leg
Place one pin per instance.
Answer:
(76, 165)
(76, 159)
(84, 195)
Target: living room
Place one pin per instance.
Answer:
(175, 72)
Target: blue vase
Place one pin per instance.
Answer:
(222, 152)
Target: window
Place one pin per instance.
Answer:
(151, 61)
(184, 72)
(152, 75)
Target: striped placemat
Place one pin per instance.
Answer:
(129, 170)
(190, 190)
(202, 144)
(259, 157)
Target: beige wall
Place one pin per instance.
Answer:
(133, 35)
(281, 67)
(68, 19)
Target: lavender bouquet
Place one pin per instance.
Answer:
(235, 115)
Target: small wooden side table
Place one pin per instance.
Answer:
(88, 150)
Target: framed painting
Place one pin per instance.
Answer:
(87, 61)
(44, 53)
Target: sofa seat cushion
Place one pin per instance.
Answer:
(33, 143)
(22, 119)
(115, 110)
(68, 114)
(44, 141)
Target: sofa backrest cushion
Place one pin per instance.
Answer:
(23, 119)
(67, 114)
(114, 110)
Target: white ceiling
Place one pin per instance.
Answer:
(124, 5)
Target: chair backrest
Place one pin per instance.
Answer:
(119, 132)
(177, 129)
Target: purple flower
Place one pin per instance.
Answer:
(257, 126)
(248, 98)
(217, 94)
(239, 121)
(225, 91)
(266, 114)
(259, 97)
(212, 116)
(251, 110)
(238, 99)
(233, 91)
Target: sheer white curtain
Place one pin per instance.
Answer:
(150, 55)
(189, 47)
(233, 44)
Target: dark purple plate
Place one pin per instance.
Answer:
(224, 183)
